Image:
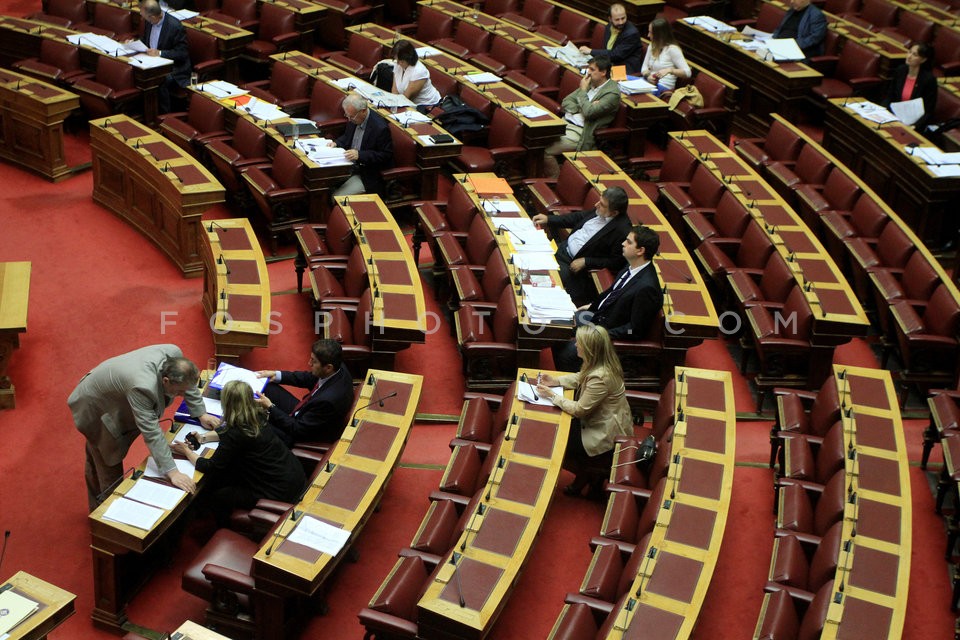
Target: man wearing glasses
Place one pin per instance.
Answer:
(369, 146)
(321, 414)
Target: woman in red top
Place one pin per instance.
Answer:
(916, 80)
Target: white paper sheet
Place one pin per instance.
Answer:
(183, 14)
(221, 89)
(319, 535)
(784, 50)
(16, 609)
(502, 206)
(153, 471)
(528, 393)
(133, 513)
(426, 52)
(637, 85)
(407, 117)
(531, 112)
(155, 494)
(756, 34)
(710, 24)
(149, 62)
(228, 372)
(481, 78)
(536, 261)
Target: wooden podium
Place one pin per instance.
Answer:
(56, 605)
(14, 294)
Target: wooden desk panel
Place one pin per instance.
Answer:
(56, 605)
(163, 200)
(14, 298)
(230, 42)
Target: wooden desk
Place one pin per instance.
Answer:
(192, 631)
(688, 311)
(837, 313)
(236, 288)
(487, 559)
(31, 124)
(344, 494)
(14, 296)
(56, 605)
(230, 42)
(879, 155)
(765, 86)
(670, 587)
(154, 185)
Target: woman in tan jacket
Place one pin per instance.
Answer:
(599, 408)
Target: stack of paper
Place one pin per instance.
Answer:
(940, 163)
(221, 89)
(183, 466)
(528, 393)
(144, 504)
(524, 235)
(374, 95)
(636, 85)
(319, 535)
(321, 153)
(548, 305)
(535, 261)
(263, 110)
(497, 205)
(426, 52)
(570, 53)
(781, 50)
(410, 116)
(183, 14)
(482, 78)
(227, 372)
(211, 406)
(531, 112)
(15, 609)
(872, 112)
(709, 23)
(149, 62)
(107, 45)
(756, 34)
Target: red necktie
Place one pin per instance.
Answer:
(305, 399)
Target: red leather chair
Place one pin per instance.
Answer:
(469, 285)
(240, 13)
(728, 220)
(781, 145)
(890, 251)
(469, 468)
(477, 98)
(204, 55)
(468, 40)
(911, 29)
(323, 243)
(875, 14)
(566, 191)
(540, 74)
(334, 282)
(630, 516)
(799, 564)
(614, 140)
(858, 73)
(504, 153)
(946, 45)
(230, 158)
(624, 471)
(353, 333)
(392, 612)
(702, 195)
(811, 168)
(915, 286)
(535, 12)
(839, 192)
(279, 192)
(842, 7)
(402, 181)
(59, 61)
(435, 218)
(70, 14)
(713, 115)
(504, 55)
(443, 524)
(785, 612)
(944, 419)
(676, 9)
(433, 25)
(677, 166)
(286, 88)
(770, 288)
(487, 337)
(199, 126)
(445, 83)
(719, 256)
(781, 337)
(500, 7)
(866, 220)
(112, 21)
(325, 109)
(580, 621)
(826, 63)
(570, 26)
(361, 56)
(111, 91)
(927, 335)
(277, 32)
(809, 508)
(472, 251)
(610, 575)
(483, 417)
(805, 457)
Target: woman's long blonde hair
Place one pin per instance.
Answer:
(597, 350)
(240, 410)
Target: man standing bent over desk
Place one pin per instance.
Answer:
(125, 396)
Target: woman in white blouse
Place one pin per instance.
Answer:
(411, 77)
(664, 61)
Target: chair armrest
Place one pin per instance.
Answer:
(228, 578)
(595, 604)
(264, 518)
(273, 506)
(796, 594)
(457, 499)
(285, 38)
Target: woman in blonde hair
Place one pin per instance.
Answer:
(599, 408)
(250, 463)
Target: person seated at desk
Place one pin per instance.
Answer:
(164, 36)
(369, 146)
(250, 463)
(319, 416)
(597, 234)
(411, 78)
(593, 105)
(914, 80)
(664, 61)
(804, 23)
(600, 410)
(622, 39)
(628, 308)
(123, 397)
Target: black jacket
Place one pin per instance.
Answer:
(375, 152)
(925, 88)
(602, 251)
(631, 310)
(323, 417)
(627, 48)
(172, 46)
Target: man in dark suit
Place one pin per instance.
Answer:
(593, 244)
(804, 23)
(621, 41)
(369, 146)
(164, 36)
(319, 416)
(629, 307)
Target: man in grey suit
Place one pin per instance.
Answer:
(125, 396)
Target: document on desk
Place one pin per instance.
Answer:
(227, 373)
(536, 261)
(934, 156)
(321, 153)
(406, 118)
(426, 52)
(756, 34)
(710, 24)
(481, 78)
(783, 50)
(531, 112)
(155, 494)
(319, 535)
(502, 206)
(183, 14)
(908, 111)
(633, 86)
(570, 53)
(104, 44)
(221, 89)
(263, 110)
(14, 609)
(183, 466)
(872, 112)
(548, 304)
(135, 46)
(135, 514)
(149, 62)
(528, 393)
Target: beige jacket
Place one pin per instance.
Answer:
(597, 113)
(601, 406)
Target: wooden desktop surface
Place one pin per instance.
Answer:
(56, 605)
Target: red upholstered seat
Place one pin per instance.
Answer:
(351, 328)
(810, 508)
(200, 125)
(915, 286)
(813, 458)
(402, 181)
(278, 32)
(839, 193)
(811, 168)
(535, 12)
(719, 256)
(438, 530)
(875, 14)
(504, 55)
(111, 21)
(392, 612)
(436, 218)
(467, 40)
(866, 220)
(780, 618)
(230, 158)
(71, 14)
(890, 251)
(910, 29)
(487, 336)
(793, 565)
(504, 152)
(433, 25)
(204, 55)
(540, 74)
(241, 13)
(612, 572)
(59, 61)
(564, 192)
(474, 250)
(484, 417)
(286, 88)
(486, 286)
(625, 474)
(614, 139)
(702, 195)
(944, 419)
(499, 7)
(221, 575)
(361, 56)
(571, 25)
(325, 109)
(781, 145)
(576, 622)
(630, 516)
(769, 289)
(712, 115)
(112, 91)
(946, 46)
(333, 282)
(279, 192)
(858, 72)
(729, 220)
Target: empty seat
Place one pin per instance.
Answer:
(325, 109)
(720, 255)
(71, 14)
(240, 13)
(564, 193)
(467, 40)
(875, 14)
(483, 417)
(540, 74)
(782, 145)
(890, 250)
(946, 45)
(286, 88)
(469, 286)
(361, 56)
(857, 73)
(804, 457)
(910, 29)
(230, 158)
(58, 61)
(769, 288)
(277, 32)
(112, 21)
(915, 285)
(809, 508)
(279, 193)
(535, 12)
(839, 192)
(433, 24)
(728, 220)
(630, 516)
(472, 250)
(504, 152)
(435, 218)
(350, 326)
(204, 55)
(702, 195)
(811, 168)
(504, 55)
(487, 337)
(335, 282)
(199, 126)
(113, 89)
(786, 615)
(795, 564)
(392, 612)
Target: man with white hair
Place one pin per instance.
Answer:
(369, 146)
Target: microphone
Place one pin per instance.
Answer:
(500, 463)
(675, 480)
(523, 378)
(855, 501)
(514, 419)
(687, 277)
(373, 381)
(355, 227)
(847, 548)
(135, 475)
(502, 228)
(3, 551)
(481, 509)
(214, 224)
(454, 559)
(276, 534)
(651, 554)
(353, 419)
(220, 260)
